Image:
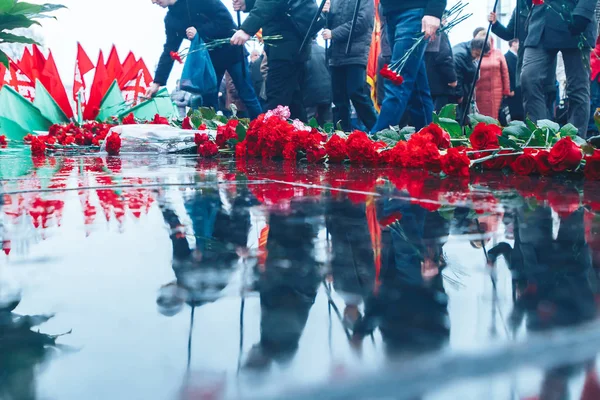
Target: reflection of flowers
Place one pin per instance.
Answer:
(38, 147)
(592, 166)
(3, 141)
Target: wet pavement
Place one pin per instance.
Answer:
(156, 277)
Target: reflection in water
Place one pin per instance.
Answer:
(389, 248)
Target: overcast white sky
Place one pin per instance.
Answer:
(137, 25)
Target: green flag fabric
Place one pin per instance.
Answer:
(18, 116)
(160, 104)
(112, 104)
(47, 106)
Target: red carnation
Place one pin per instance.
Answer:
(79, 139)
(187, 124)
(456, 162)
(336, 149)
(88, 138)
(158, 120)
(441, 138)
(485, 136)
(69, 140)
(129, 120)
(28, 138)
(200, 138)
(3, 141)
(592, 166)
(565, 155)
(113, 144)
(38, 147)
(525, 164)
(390, 75)
(241, 150)
(226, 132)
(208, 149)
(175, 56)
(362, 150)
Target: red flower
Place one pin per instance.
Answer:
(241, 150)
(315, 154)
(336, 149)
(441, 138)
(565, 155)
(28, 138)
(208, 149)
(113, 144)
(88, 138)
(38, 147)
(390, 219)
(538, 2)
(3, 140)
(158, 120)
(432, 158)
(79, 139)
(176, 57)
(542, 163)
(456, 162)
(525, 164)
(49, 140)
(129, 120)
(388, 74)
(362, 150)
(226, 132)
(592, 166)
(200, 138)
(398, 155)
(290, 152)
(187, 124)
(69, 140)
(485, 136)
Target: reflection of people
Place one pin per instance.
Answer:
(287, 286)
(203, 271)
(410, 309)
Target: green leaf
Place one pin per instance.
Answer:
(241, 130)
(448, 111)
(506, 141)
(537, 138)
(407, 130)
(208, 113)
(220, 118)
(338, 126)
(196, 118)
(10, 38)
(4, 59)
(234, 110)
(328, 127)
(26, 8)
(313, 123)
(390, 137)
(517, 123)
(6, 5)
(210, 124)
(546, 123)
(452, 127)
(477, 118)
(9, 22)
(568, 130)
(579, 141)
(532, 127)
(518, 131)
(435, 118)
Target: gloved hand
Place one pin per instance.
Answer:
(578, 25)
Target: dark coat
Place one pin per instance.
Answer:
(440, 66)
(270, 15)
(432, 7)
(211, 19)
(339, 21)
(550, 30)
(464, 67)
(515, 103)
(317, 80)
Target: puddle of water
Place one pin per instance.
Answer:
(164, 277)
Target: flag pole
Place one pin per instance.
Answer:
(353, 26)
(239, 23)
(79, 112)
(312, 24)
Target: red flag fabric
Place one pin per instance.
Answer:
(114, 69)
(129, 62)
(15, 78)
(26, 62)
(83, 65)
(50, 78)
(134, 82)
(38, 61)
(374, 55)
(591, 388)
(100, 85)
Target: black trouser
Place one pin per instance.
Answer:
(349, 83)
(440, 102)
(321, 112)
(284, 87)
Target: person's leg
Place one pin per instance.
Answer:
(440, 102)
(403, 28)
(297, 109)
(243, 84)
(312, 112)
(324, 114)
(577, 68)
(356, 84)
(341, 100)
(536, 63)
(594, 104)
(280, 84)
(420, 106)
(212, 99)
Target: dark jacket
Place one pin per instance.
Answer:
(339, 21)
(511, 63)
(317, 80)
(514, 103)
(550, 29)
(465, 68)
(270, 15)
(211, 19)
(432, 7)
(440, 66)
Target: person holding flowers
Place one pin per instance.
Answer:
(407, 20)
(211, 20)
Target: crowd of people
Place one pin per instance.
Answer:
(547, 72)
